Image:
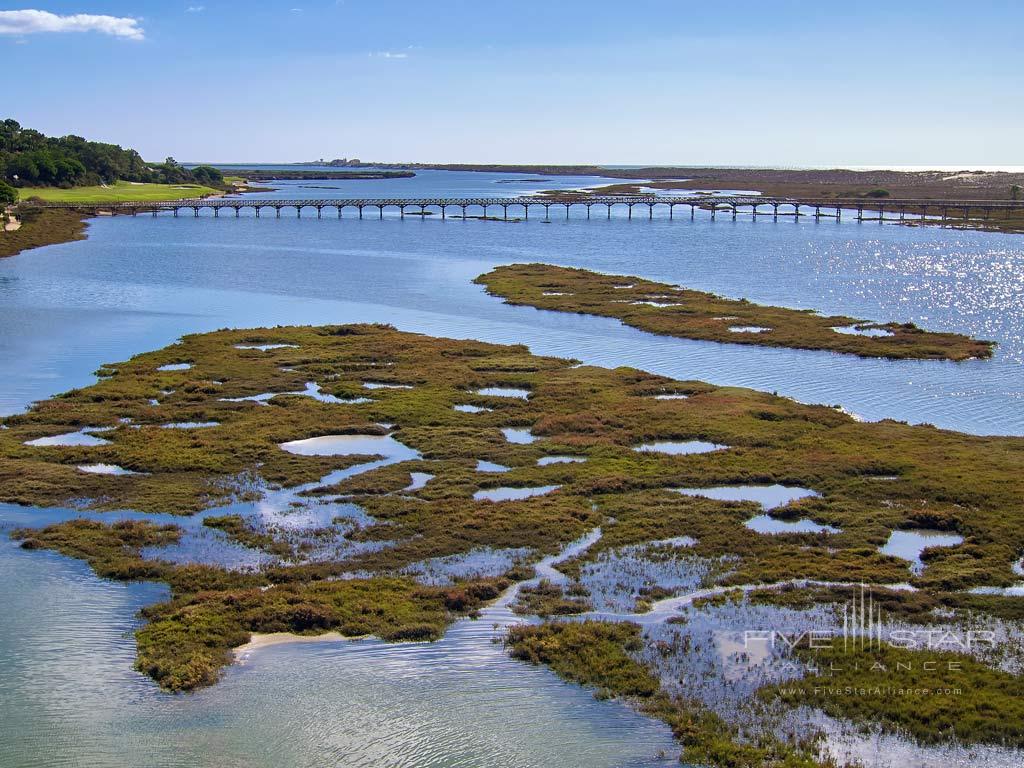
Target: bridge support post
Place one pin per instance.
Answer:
(526, 211)
(216, 213)
(238, 211)
(734, 211)
(693, 209)
(319, 211)
(277, 210)
(504, 213)
(609, 209)
(775, 212)
(298, 211)
(650, 211)
(360, 211)
(154, 213)
(443, 209)
(714, 210)
(630, 211)
(257, 211)
(588, 211)
(567, 211)
(671, 210)
(380, 208)
(547, 212)
(195, 211)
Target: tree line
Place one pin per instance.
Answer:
(29, 158)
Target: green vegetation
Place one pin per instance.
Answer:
(188, 639)
(238, 529)
(954, 482)
(602, 655)
(30, 159)
(669, 310)
(931, 695)
(8, 194)
(913, 607)
(117, 192)
(42, 227)
(547, 599)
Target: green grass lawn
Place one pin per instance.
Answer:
(121, 191)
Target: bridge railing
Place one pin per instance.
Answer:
(535, 200)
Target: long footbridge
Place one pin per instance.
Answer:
(475, 207)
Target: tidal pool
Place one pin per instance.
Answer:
(748, 329)
(769, 525)
(490, 466)
(106, 469)
(546, 460)
(266, 347)
(83, 438)
(352, 445)
(385, 385)
(513, 494)
(312, 390)
(419, 479)
(518, 435)
(471, 409)
(190, 425)
(768, 496)
(522, 394)
(680, 447)
(853, 330)
(908, 545)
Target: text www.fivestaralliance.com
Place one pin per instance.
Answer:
(870, 691)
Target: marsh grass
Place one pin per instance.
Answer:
(967, 484)
(930, 695)
(42, 227)
(601, 655)
(694, 314)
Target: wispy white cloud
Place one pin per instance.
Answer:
(390, 55)
(30, 22)
(195, 9)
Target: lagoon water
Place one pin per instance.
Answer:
(68, 695)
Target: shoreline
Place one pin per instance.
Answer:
(259, 640)
(36, 228)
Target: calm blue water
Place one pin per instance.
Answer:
(67, 692)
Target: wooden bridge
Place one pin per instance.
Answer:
(755, 205)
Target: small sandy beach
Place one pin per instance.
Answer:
(265, 640)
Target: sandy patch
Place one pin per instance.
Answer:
(265, 640)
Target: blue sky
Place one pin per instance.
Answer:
(633, 82)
